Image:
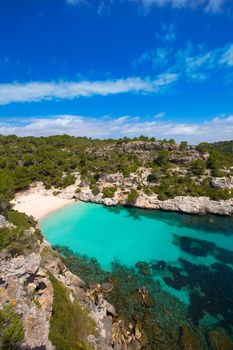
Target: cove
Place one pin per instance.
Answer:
(184, 261)
(130, 235)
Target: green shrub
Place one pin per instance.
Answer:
(11, 328)
(16, 241)
(95, 190)
(132, 196)
(197, 167)
(69, 324)
(183, 145)
(20, 220)
(109, 192)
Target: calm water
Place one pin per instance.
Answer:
(185, 260)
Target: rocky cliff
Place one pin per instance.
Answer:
(27, 290)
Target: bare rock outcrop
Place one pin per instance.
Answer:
(27, 287)
(222, 182)
(185, 204)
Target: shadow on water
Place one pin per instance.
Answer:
(207, 223)
(210, 291)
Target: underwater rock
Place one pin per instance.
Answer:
(219, 340)
(189, 340)
(106, 287)
(157, 330)
(146, 299)
(143, 268)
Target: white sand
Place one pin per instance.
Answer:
(38, 205)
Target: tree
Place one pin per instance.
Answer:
(163, 157)
(183, 145)
(132, 196)
(109, 192)
(197, 167)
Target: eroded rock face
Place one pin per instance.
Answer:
(185, 204)
(4, 222)
(222, 182)
(27, 287)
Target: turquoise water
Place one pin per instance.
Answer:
(184, 261)
(128, 235)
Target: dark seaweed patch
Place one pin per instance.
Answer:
(211, 289)
(195, 246)
(224, 255)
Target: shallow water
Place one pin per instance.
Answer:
(189, 258)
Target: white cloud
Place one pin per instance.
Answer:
(189, 61)
(37, 91)
(159, 115)
(216, 129)
(215, 6)
(76, 2)
(212, 6)
(227, 57)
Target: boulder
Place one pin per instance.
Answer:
(73, 280)
(189, 340)
(219, 340)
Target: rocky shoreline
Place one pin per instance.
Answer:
(26, 285)
(184, 204)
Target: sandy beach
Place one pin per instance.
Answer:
(38, 205)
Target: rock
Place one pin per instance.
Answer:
(219, 340)
(135, 345)
(106, 287)
(4, 222)
(189, 340)
(138, 333)
(34, 310)
(222, 182)
(31, 287)
(21, 266)
(145, 297)
(143, 268)
(73, 280)
(157, 330)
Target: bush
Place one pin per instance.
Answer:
(163, 157)
(183, 145)
(197, 167)
(109, 192)
(11, 328)
(132, 196)
(69, 323)
(20, 220)
(16, 241)
(95, 190)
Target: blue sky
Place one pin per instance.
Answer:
(114, 68)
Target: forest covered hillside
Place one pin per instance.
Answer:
(162, 167)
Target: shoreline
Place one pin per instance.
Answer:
(39, 205)
(40, 202)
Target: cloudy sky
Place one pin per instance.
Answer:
(114, 68)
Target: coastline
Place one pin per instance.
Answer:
(39, 202)
(39, 205)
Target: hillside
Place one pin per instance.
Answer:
(161, 168)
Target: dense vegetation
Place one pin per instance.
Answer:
(54, 160)
(19, 239)
(69, 324)
(11, 328)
